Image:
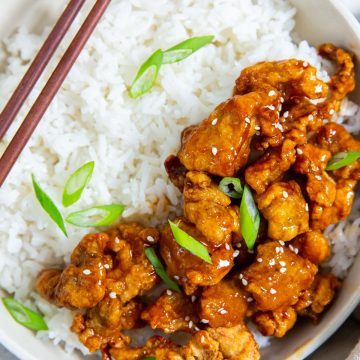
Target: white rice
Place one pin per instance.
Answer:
(93, 118)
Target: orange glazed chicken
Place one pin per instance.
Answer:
(262, 177)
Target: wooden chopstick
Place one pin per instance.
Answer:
(41, 104)
(38, 65)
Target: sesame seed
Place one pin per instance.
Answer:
(187, 318)
(286, 114)
(270, 278)
(282, 99)
(296, 250)
(282, 263)
(190, 324)
(236, 253)
(285, 194)
(204, 321)
(214, 150)
(281, 242)
(282, 270)
(202, 339)
(176, 277)
(169, 292)
(227, 246)
(311, 117)
(99, 282)
(272, 291)
(306, 207)
(223, 312)
(193, 298)
(241, 276)
(112, 295)
(249, 299)
(257, 133)
(272, 262)
(247, 120)
(291, 247)
(318, 88)
(238, 245)
(196, 328)
(214, 122)
(318, 177)
(277, 249)
(223, 263)
(270, 107)
(332, 111)
(259, 260)
(279, 126)
(150, 239)
(305, 64)
(107, 266)
(271, 93)
(86, 272)
(299, 151)
(117, 240)
(244, 282)
(257, 127)
(250, 251)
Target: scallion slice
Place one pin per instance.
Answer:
(147, 74)
(249, 218)
(160, 270)
(189, 243)
(48, 205)
(148, 358)
(23, 315)
(185, 48)
(76, 183)
(101, 215)
(342, 159)
(231, 187)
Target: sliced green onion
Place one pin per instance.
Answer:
(24, 315)
(146, 75)
(48, 205)
(160, 270)
(101, 215)
(76, 183)
(189, 243)
(231, 186)
(249, 218)
(342, 159)
(148, 358)
(185, 48)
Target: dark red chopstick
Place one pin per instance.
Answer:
(38, 65)
(41, 104)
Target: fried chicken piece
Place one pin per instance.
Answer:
(343, 81)
(236, 342)
(285, 209)
(271, 166)
(81, 285)
(171, 312)
(335, 138)
(322, 216)
(278, 277)
(208, 208)
(275, 323)
(311, 161)
(192, 270)
(132, 273)
(220, 145)
(176, 171)
(320, 295)
(223, 304)
(290, 77)
(157, 347)
(202, 347)
(313, 245)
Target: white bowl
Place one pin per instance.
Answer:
(316, 21)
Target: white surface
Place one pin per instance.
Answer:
(315, 26)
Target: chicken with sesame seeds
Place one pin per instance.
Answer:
(209, 208)
(271, 166)
(224, 304)
(279, 278)
(171, 312)
(284, 207)
(193, 271)
(223, 148)
(276, 322)
(313, 245)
